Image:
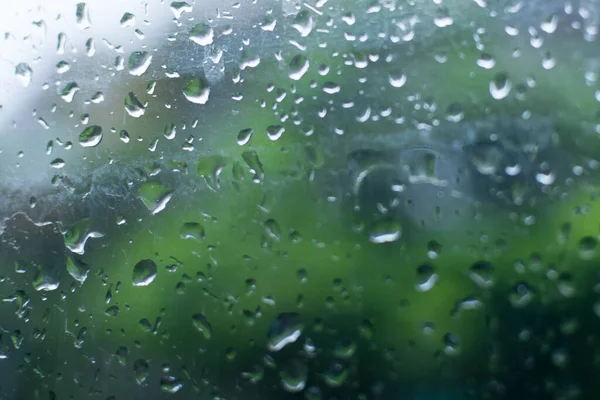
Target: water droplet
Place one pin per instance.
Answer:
(587, 247)
(24, 73)
(133, 106)
(249, 59)
(500, 86)
(426, 278)
(254, 165)
(179, 7)
(82, 15)
(91, 136)
(274, 132)
(90, 47)
(344, 348)
(144, 273)
(210, 168)
(78, 234)
(298, 66)
(141, 369)
(202, 325)
(455, 112)
(155, 196)
(385, 231)
(69, 91)
(550, 24)
(244, 136)
(62, 67)
(521, 295)
(44, 281)
(293, 376)
(331, 87)
(482, 273)
(170, 384)
(77, 269)
(202, 34)
(486, 61)
(285, 329)
(336, 375)
(192, 230)
(122, 354)
(303, 23)
(397, 80)
(112, 311)
(138, 63)
(57, 163)
(548, 62)
(197, 90)
(127, 20)
(272, 229)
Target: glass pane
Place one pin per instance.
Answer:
(272, 199)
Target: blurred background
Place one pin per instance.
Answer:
(272, 199)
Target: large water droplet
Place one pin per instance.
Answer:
(426, 278)
(385, 231)
(69, 91)
(77, 269)
(286, 329)
(127, 20)
(24, 73)
(91, 136)
(82, 14)
(139, 61)
(202, 34)
(254, 164)
(197, 90)
(144, 273)
(192, 230)
(210, 168)
(133, 106)
(155, 196)
(202, 325)
(303, 23)
(298, 67)
(500, 86)
(78, 234)
(397, 80)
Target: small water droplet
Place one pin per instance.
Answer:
(127, 20)
(179, 7)
(500, 86)
(274, 132)
(293, 376)
(197, 90)
(272, 229)
(91, 136)
(202, 34)
(24, 73)
(133, 106)
(202, 325)
(254, 165)
(587, 247)
(138, 63)
(57, 163)
(426, 278)
(155, 196)
(62, 67)
(192, 230)
(144, 273)
(285, 329)
(170, 384)
(299, 64)
(141, 369)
